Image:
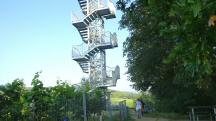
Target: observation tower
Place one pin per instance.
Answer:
(91, 55)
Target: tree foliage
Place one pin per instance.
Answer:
(170, 50)
(39, 103)
(11, 102)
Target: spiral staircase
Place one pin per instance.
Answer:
(85, 53)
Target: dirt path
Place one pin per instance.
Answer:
(134, 116)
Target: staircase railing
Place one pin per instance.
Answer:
(78, 51)
(107, 39)
(77, 16)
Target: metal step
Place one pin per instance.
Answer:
(88, 19)
(91, 17)
(84, 66)
(88, 56)
(93, 51)
(84, 31)
(82, 26)
(83, 6)
(80, 59)
(84, 34)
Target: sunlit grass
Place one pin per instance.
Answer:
(129, 102)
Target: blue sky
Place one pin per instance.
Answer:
(37, 35)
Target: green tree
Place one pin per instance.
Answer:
(66, 101)
(39, 99)
(39, 103)
(170, 50)
(11, 102)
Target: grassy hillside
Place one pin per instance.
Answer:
(118, 96)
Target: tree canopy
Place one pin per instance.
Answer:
(170, 50)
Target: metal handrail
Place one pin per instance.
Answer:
(79, 50)
(78, 16)
(107, 38)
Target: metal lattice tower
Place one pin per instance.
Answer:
(91, 55)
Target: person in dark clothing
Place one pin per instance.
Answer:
(143, 108)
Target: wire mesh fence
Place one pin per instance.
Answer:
(123, 110)
(67, 109)
(60, 103)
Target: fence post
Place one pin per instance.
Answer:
(197, 117)
(215, 113)
(125, 107)
(109, 105)
(193, 114)
(84, 106)
(84, 101)
(121, 112)
(190, 118)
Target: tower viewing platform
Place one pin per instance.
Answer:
(91, 55)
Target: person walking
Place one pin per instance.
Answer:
(143, 108)
(138, 108)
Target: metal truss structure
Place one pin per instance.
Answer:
(91, 55)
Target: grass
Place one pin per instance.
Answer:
(129, 102)
(118, 96)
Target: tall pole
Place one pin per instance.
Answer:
(84, 101)
(215, 113)
(109, 105)
(193, 114)
(84, 106)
